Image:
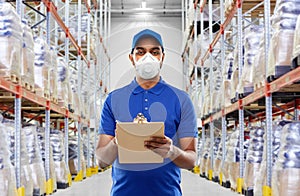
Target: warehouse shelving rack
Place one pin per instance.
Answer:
(52, 110)
(286, 84)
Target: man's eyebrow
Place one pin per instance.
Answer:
(154, 48)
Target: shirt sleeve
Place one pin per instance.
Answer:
(107, 120)
(188, 122)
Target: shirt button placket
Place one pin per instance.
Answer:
(146, 104)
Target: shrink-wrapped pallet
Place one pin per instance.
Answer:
(53, 76)
(254, 157)
(42, 62)
(74, 84)
(88, 146)
(210, 160)
(61, 171)
(253, 35)
(233, 157)
(62, 82)
(259, 67)
(216, 98)
(261, 180)
(296, 49)
(11, 43)
(41, 142)
(204, 157)
(286, 171)
(281, 48)
(27, 71)
(227, 74)
(7, 171)
(73, 157)
(218, 162)
(25, 170)
(35, 160)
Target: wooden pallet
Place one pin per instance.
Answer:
(258, 85)
(54, 99)
(13, 78)
(6, 94)
(28, 86)
(42, 93)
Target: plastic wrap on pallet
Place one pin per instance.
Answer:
(227, 78)
(204, 157)
(225, 163)
(254, 157)
(41, 142)
(62, 82)
(10, 41)
(86, 149)
(209, 160)
(207, 106)
(27, 71)
(216, 100)
(253, 35)
(26, 179)
(258, 68)
(296, 49)
(35, 160)
(7, 171)
(42, 62)
(218, 158)
(233, 157)
(285, 15)
(286, 171)
(53, 74)
(281, 49)
(73, 158)
(276, 142)
(74, 89)
(57, 143)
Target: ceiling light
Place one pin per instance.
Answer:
(144, 4)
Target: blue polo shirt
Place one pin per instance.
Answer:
(162, 103)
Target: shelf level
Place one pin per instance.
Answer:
(53, 10)
(41, 101)
(275, 86)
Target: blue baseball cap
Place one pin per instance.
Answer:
(144, 33)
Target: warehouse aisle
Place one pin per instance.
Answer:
(99, 185)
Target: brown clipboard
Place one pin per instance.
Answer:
(131, 137)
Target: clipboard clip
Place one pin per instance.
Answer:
(140, 118)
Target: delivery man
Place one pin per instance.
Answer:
(158, 101)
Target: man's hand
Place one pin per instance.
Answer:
(160, 145)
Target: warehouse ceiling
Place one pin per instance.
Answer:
(123, 8)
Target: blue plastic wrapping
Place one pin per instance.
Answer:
(286, 171)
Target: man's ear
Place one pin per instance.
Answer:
(131, 59)
(162, 60)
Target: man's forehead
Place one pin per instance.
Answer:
(147, 41)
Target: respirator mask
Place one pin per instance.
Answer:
(148, 66)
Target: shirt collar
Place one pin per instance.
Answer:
(157, 89)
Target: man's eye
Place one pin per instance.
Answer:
(140, 53)
(155, 53)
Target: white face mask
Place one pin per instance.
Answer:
(147, 67)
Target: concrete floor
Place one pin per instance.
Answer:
(100, 184)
